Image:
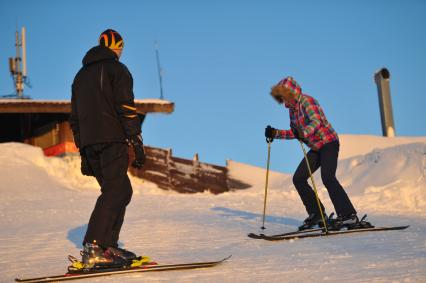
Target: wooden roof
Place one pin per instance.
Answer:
(143, 106)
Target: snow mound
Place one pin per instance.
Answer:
(21, 161)
(256, 176)
(387, 180)
(353, 145)
(391, 180)
(27, 167)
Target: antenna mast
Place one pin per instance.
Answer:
(160, 70)
(18, 66)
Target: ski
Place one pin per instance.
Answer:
(261, 236)
(116, 271)
(330, 233)
(317, 229)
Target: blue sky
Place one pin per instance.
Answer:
(221, 58)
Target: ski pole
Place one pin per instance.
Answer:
(315, 187)
(269, 141)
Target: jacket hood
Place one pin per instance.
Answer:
(99, 53)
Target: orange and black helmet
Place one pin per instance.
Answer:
(111, 39)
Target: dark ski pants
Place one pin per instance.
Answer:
(326, 158)
(109, 163)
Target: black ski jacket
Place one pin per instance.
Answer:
(102, 102)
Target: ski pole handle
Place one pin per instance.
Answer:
(269, 134)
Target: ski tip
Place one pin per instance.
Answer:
(404, 227)
(394, 227)
(226, 258)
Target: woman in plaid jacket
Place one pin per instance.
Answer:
(309, 124)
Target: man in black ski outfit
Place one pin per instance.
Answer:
(104, 123)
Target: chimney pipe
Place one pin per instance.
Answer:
(381, 78)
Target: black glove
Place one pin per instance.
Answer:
(297, 132)
(137, 144)
(85, 165)
(270, 133)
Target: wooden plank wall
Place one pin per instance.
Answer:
(184, 175)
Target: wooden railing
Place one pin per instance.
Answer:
(184, 175)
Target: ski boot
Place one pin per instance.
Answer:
(313, 220)
(122, 253)
(96, 257)
(336, 224)
(349, 222)
(361, 224)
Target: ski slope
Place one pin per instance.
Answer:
(46, 202)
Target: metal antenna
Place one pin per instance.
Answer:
(18, 66)
(160, 70)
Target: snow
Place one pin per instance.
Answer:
(65, 101)
(352, 145)
(46, 202)
(153, 100)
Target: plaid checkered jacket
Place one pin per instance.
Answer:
(308, 116)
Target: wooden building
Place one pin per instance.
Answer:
(44, 123)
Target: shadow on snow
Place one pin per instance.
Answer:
(76, 236)
(229, 213)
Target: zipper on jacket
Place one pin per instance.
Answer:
(102, 77)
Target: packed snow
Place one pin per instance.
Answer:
(46, 203)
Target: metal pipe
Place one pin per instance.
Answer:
(381, 78)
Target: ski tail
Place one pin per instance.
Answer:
(260, 236)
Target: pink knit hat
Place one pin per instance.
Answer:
(291, 84)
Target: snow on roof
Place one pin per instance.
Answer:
(153, 100)
(143, 106)
(26, 101)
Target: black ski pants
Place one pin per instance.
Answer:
(326, 158)
(109, 162)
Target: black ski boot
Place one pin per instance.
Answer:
(313, 220)
(350, 222)
(122, 253)
(363, 223)
(335, 224)
(96, 257)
